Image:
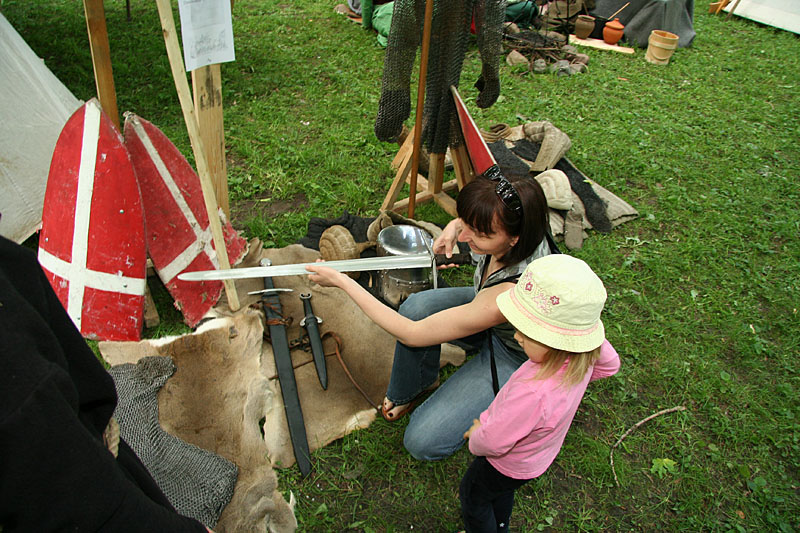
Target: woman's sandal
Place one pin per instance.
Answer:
(402, 410)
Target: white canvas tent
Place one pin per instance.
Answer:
(34, 107)
(783, 14)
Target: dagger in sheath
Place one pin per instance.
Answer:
(311, 322)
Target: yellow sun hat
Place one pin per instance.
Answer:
(557, 302)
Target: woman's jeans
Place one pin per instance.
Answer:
(487, 497)
(436, 428)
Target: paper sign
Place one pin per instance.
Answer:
(206, 31)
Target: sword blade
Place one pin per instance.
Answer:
(391, 262)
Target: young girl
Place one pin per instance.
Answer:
(555, 307)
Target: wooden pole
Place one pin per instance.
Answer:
(207, 86)
(185, 97)
(730, 13)
(101, 58)
(423, 73)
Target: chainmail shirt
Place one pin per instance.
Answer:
(450, 38)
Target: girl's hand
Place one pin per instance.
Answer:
(325, 276)
(475, 425)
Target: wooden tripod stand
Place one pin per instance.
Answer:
(431, 188)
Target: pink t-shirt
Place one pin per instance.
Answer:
(524, 428)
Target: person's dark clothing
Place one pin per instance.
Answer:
(487, 497)
(56, 399)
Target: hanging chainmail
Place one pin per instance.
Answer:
(197, 482)
(450, 37)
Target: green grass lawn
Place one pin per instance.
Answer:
(704, 287)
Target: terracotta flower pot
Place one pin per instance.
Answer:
(613, 31)
(584, 26)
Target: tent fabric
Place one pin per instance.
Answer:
(643, 16)
(33, 110)
(783, 14)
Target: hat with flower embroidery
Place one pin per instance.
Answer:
(557, 302)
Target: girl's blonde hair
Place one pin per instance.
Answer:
(579, 364)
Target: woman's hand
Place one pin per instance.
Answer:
(325, 276)
(445, 242)
(475, 425)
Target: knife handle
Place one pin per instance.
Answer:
(456, 259)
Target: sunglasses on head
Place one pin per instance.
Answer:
(504, 190)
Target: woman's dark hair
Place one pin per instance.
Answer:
(478, 203)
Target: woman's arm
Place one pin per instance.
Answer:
(447, 325)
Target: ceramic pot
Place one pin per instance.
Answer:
(584, 26)
(613, 31)
(599, 23)
(660, 46)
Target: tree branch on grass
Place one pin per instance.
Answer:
(630, 430)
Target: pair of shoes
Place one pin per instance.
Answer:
(404, 409)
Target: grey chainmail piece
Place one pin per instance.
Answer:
(197, 482)
(450, 38)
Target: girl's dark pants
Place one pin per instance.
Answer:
(487, 497)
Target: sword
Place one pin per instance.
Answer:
(283, 363)
(391, 262)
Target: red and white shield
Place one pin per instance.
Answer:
(177, 228)
(92, 241)
(479, 152)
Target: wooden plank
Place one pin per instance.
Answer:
(402, 205)
(398, 182)
(435, 173)
(207, 87)
(151, 318)
(600, 45)
(405, 150)
(101, 58)
(461, 165)
(185, 97)
(450, 185)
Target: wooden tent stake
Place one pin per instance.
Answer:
(730, 13)
(185, 97)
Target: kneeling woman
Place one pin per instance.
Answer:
(506, 222)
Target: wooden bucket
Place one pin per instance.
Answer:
(660, 47)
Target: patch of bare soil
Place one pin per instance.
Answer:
(265, 207)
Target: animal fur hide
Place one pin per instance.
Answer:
(225, 389)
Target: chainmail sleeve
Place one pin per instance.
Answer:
(404, 38)
(489, 17)
(450, 38)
